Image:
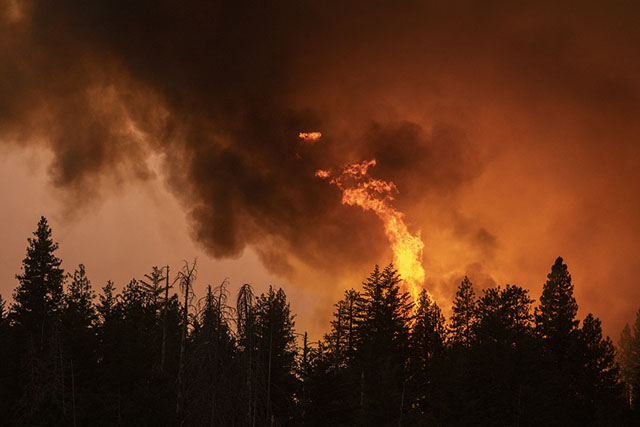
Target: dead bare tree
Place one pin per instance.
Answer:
(245, 330)
(186, 277)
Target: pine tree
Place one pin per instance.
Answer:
(107, 303)
(428, 331)
(79, 342)
(276, 356)
(153, 287)
(504, 315)
(384, 343)
(335, 378)
(79, 313)
(498, 365)
(342, 339)
(463, 316)
(557, 330)
(428, 335)
(598, 379)
(36, 317)
(556, 316)
(38, 298)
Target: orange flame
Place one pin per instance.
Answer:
(375, 194)
(309, 137)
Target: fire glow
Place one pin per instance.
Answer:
(309, 137)
(359, 189)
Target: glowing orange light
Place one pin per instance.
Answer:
(309, 137)
(358, 189)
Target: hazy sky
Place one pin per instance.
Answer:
(152, 133)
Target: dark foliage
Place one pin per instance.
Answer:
(148, 356)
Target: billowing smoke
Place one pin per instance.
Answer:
(211, 86)
(441, 94)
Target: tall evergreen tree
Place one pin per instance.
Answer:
(38, 298)
(79, 343)
(463, 317)
(276, 357)
(78, 312)
(384, 343)
(336, 374)
(35, 313)
(428, 334)
(502, 357)
(556, 315)
(557, 328)
(598, 382)
(153, 287)
(504, 315)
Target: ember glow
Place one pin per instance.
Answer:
(309, 137)
(359, 189)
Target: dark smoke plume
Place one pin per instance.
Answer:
(221, 90)
(208, 85)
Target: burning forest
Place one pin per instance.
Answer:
(294, 145)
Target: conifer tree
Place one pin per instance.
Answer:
(342, 339)
(79, 313)
(152, 286)
(428, 331)
(276, 356)
(556, 315)
(463, 316)
(428, 335)
(598, 379)
(384, 343)
(35, 313)
(38, 298)
(79, 343)
(557, 329)
(504, 315)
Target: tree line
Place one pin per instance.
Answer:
(156, 354)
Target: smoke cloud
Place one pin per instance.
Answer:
(480, 114)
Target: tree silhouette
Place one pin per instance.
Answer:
(79, 343)
(38, 298)
(35, 313)
(383, 347)
(428, 334)
(141, 356)
(464, 314)
(276, 357)
(598, 379)
(556, 315)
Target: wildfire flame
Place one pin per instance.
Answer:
(309, 137)
(358, 189)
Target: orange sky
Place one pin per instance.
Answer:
(148, 137)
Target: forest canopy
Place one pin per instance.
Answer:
(156, 353)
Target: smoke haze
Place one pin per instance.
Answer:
(510, 130)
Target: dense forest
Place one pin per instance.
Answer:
(157, 354)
